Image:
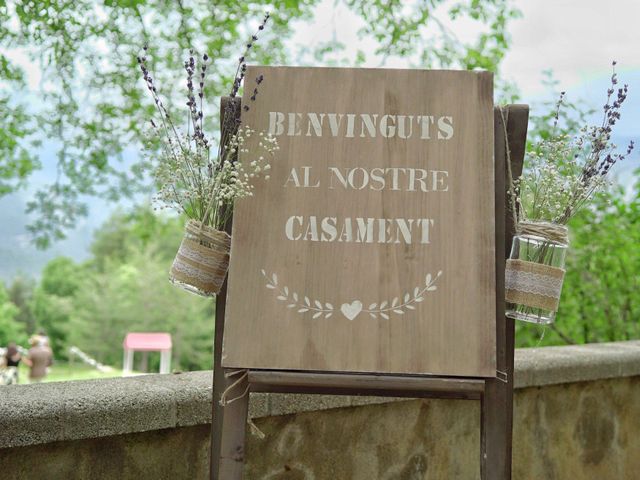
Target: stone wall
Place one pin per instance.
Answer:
(577, 416)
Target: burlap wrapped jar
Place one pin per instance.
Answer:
(535, 272)
(202, 260)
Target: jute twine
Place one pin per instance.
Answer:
(226, 399)
(203, 258)
(533, 284)
(549, 231)
(243, 376)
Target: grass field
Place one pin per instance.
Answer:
(61, 372)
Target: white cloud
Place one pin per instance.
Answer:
(576, 39)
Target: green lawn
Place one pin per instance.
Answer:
(61, 372)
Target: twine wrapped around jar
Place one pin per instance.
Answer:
(202, 259)
(533, 278)
(546, 230)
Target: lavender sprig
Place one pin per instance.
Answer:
(232, 123)
(191, 181)
(563, 172)
(242, 65)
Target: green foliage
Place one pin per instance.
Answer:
(16, 126)
(422, 29)
(603, 279)
(52, 314)
(53, 300)
(21, 295)
(93, 102)
(137, 297)
(17, 161)
(124, 288)
(11, 330)
(127, 233)
(600, 300)
(599, 297)
(61, 277)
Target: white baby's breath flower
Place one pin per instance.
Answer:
(193, 181)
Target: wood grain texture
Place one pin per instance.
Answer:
(361, 382)
(362, 391)
(452, 332)
(228, 108)
(497, 399)
(496, 395)
(232, 438)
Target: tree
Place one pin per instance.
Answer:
(134, 297)
(21, 295)
(600, 297)
(123, 287)
(127, 233)
(93, 103)
(603, 263)
(599, 301)
(10, 329)
(18, 163)
(53, 300)
(128, 291)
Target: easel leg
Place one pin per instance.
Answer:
(496, 430)
(216, 426)
(497, 399)
(234, 423)
(229, 422)
(227, 106)
(217, 412)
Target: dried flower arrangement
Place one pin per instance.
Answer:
(201, 184)
(561, 174)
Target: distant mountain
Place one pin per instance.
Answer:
(17, 252)
(19, 255)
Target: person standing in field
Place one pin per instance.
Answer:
(43, 339)
(39, 359)
(12, 361)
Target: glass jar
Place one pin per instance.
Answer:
(201, 264)
(535, 272)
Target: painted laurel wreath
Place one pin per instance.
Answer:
(303, 304)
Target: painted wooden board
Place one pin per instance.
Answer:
(372, 246)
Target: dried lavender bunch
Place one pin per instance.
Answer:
(242, 63)
(563, 172)
(192, 180)
(232, 122)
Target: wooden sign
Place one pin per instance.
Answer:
(372, 246)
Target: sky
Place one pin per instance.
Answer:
(577, 40)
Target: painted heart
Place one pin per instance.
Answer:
(351, 310)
